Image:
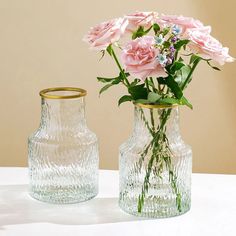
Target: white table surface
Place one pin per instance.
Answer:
(213, 210)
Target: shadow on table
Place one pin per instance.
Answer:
(17, 207)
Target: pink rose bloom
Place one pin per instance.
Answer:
(208, 47)
(145, 19)
(106, 33)
(139, 58)
(184, 22)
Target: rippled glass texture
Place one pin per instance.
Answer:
(155, 166)
(63, 154)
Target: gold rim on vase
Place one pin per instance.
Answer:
(44, 93)
(151, 106)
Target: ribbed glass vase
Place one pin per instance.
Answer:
(63, 152)
(155, 165)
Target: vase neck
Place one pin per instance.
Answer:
(152, 120)
(63, 114)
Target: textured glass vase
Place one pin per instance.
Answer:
(155, 165)
(63, 152)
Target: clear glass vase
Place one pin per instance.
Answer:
(155, 165)
(63, 152)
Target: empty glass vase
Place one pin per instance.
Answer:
(155, 165)
(63, 152)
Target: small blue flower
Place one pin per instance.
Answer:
(162, 59)
(159, 39)
(176, 30)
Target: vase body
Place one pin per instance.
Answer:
(63, 153)
(155, 165)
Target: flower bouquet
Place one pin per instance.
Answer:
(158, 56)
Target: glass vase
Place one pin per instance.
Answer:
(155, 165)
(63, 152)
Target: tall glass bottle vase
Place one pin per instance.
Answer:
(155, 165)
(63, 152)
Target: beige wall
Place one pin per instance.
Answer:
(41, 46)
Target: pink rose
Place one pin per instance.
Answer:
(145, 19)
(139, 58)
(208, 47)
(184, 22)
(106, 33)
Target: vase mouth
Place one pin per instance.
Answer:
(63, 93)
(151, 106)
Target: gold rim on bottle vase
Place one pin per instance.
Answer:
(151, 106)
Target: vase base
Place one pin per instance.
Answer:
(158, 212)
(62, 196)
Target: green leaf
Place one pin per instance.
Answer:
(189, 77)
(213, 67)
(138, 92)
(185, 70)
(161, 80)
(143, 101)
(166, 44)
(139, 33)
(193, 58)
(156, 28)
(109, 49)
(125, 98)
(153, 97)
(184, 101)
(148, 30)
(173, 85)
(181, 43)
(105, 80)
(103, 54)
(169, 101)
(165, 31)
(107, 86)
(176, 66)
(111, 81)
(216, 68)
(135, 82)
(117, 80)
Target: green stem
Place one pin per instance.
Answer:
(173, 180)
(146, 122)
(157, 137)
(154, 89)
(190, 74)
(152, 120)
(119, 66)
(146, 83)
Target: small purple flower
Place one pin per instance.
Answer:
(171, 55)
(172, 48)
(174, 39)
